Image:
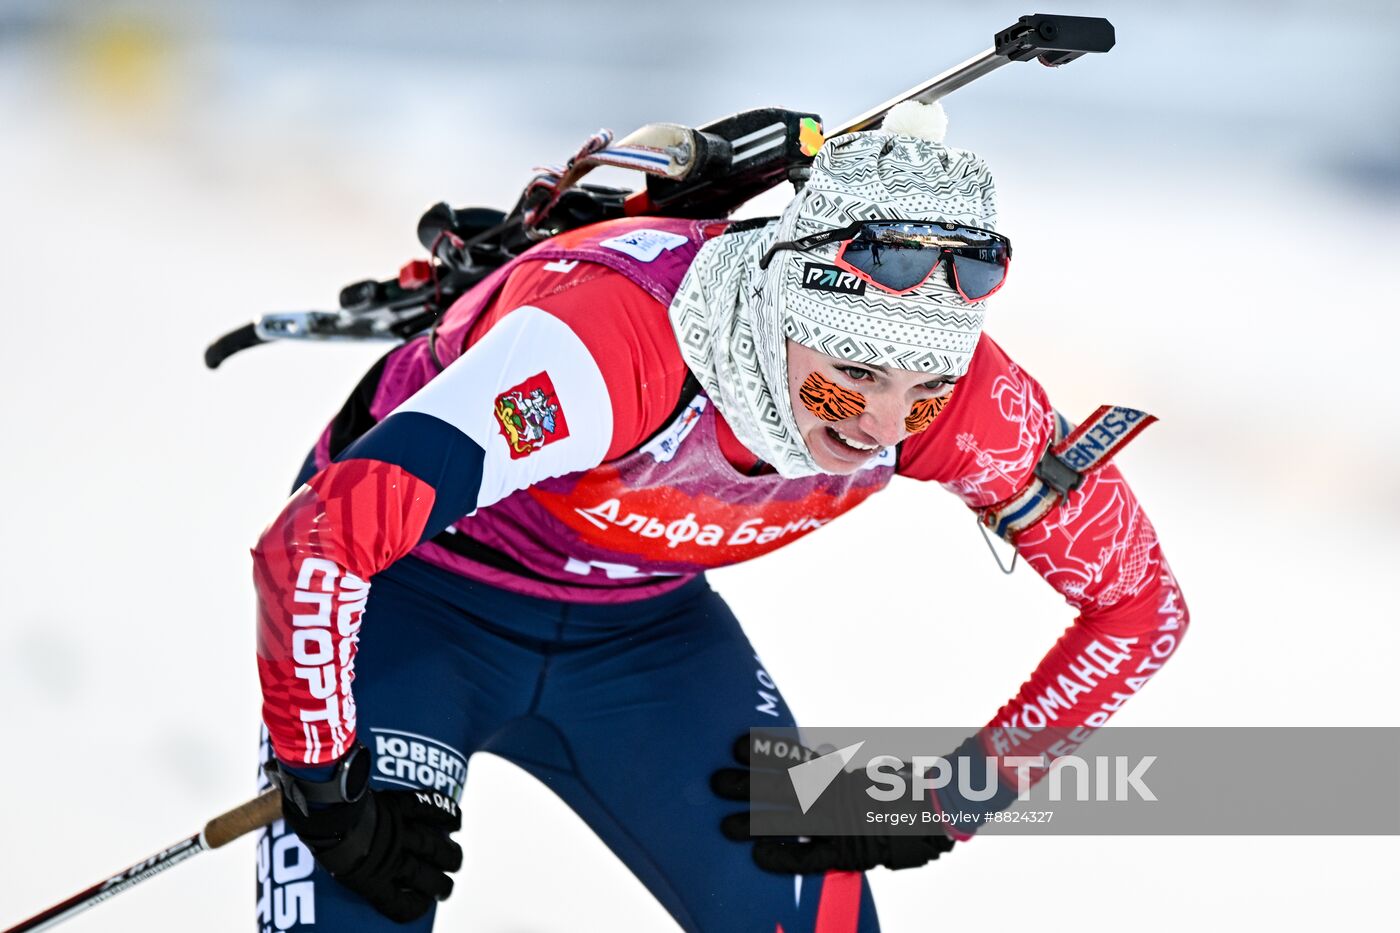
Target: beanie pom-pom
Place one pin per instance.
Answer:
(912, 118)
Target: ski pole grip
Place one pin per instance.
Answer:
(241, 820)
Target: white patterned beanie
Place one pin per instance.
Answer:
(732, 319)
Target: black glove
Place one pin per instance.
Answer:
(390, 847)
(764, 779)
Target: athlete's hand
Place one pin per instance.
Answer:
(390, 847)
(763, 778)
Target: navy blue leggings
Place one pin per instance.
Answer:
(621, 710)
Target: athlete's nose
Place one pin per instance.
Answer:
(883, 419)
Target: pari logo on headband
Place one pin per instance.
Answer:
(529, 416)
(820, 277)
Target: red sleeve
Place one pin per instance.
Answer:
(313, 564)
(311, 568)
(627, 332)
(1097, 549)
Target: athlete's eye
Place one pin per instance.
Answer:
(856, 374)
(939, 387)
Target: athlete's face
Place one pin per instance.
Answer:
(847, 412)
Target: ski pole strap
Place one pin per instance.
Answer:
(1070, 456)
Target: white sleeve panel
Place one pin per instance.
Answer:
(527, 344)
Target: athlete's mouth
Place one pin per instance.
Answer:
(854, 445)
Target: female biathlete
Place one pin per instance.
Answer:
(535, 490)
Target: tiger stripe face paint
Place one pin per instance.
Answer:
(922, 413)
(829, 401)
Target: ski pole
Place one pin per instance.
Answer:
(219, 831)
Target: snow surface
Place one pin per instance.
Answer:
(1206, 227)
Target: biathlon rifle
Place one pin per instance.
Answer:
(697, 173)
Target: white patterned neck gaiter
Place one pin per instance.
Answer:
(733, 320)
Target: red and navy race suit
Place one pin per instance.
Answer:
(557, 407)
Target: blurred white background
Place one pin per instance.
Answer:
(1206, 227)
